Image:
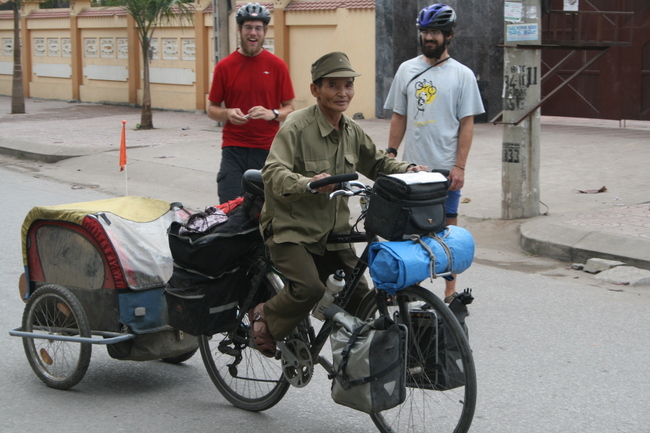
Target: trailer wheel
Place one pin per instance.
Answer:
(54, 310)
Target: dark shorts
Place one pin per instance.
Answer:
(451, 205)
(234, 162)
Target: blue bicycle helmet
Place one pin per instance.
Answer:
(253, 12)
(436, 16)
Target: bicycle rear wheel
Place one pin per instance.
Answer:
(245, 377)
(441, 378)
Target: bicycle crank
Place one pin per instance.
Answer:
(297, 364)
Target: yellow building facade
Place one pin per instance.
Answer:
(92, 54)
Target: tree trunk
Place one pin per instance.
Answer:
(17, 92)
(146, 118)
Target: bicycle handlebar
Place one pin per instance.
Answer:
(337, 178)
(348, 178)
(442, 171)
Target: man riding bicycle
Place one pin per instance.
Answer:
(313, 143)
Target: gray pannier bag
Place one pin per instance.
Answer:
(369, 371)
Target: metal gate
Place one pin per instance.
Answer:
(596, 61)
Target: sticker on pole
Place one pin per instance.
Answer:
(522, 32)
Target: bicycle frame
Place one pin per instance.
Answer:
(316, 342)
(342, 299)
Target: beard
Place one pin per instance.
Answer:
(252, 51)
(434, 53)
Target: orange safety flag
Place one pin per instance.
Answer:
(123, 147)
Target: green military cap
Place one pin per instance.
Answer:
(332, 65)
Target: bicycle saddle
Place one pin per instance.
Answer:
(252, 182)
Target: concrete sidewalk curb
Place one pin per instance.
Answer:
(45, 153)
(546, 237)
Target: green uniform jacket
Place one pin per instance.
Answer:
(306, 145)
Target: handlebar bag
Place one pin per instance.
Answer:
(407, 203)
(369, 362)
(218, 249)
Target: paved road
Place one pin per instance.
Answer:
(555, 349)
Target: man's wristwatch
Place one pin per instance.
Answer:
(391, 150)
(276, 112)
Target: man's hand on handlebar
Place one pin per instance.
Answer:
(323, 182)
(416, 168)
(325, 189)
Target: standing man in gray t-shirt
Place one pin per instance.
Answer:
(434, 100)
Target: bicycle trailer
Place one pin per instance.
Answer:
(95, 273)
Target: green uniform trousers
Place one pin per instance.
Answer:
(306, 274)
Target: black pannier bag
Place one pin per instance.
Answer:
(220, 248)
(407, 203)
(442, 357)
(202, 305)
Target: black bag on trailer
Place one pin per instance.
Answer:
(217, 250)
(201, 305)
(407, 203)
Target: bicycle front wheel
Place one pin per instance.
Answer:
(440, 377)
(244, 376)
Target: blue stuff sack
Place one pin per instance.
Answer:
(396, 265)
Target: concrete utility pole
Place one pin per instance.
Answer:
(220, 31)
(521, 92)
(220, 14)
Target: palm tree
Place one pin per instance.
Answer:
(17, 93)
(148, 14)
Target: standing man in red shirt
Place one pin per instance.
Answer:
(251, 94)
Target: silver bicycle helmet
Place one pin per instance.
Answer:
(437, 16)
(253, 12)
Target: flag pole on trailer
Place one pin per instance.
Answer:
(123, 165)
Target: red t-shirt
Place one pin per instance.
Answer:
(244, 82)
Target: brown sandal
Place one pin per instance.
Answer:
(450, 298)
(262, 338)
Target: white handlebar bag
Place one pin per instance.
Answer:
(396, 265)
